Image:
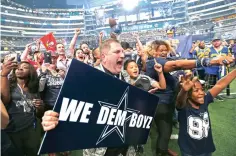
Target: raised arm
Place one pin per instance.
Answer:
(162, 81)
(159, 70)
(190, 64)
(186, 85)
(141, 52)
(100, 38)
(140, 45)
(223, 83)
(38, 44)
(5, 86)
(25, 53)
(73, 41)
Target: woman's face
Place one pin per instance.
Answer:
(22, 71)
(198, 93)
(161, 51)
(79, 55)
(132, 70)
(85, 48)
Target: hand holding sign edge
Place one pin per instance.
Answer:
(50, 120)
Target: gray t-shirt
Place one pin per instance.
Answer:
(21, 110)
(141, 76)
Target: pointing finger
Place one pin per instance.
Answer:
(195, 79)
(155, 61)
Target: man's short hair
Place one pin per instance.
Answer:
(59, 43)
(107, 44)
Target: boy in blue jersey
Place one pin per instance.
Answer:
(195, 135)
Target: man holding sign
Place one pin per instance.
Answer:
(112, 57)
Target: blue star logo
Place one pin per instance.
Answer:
(121, 132)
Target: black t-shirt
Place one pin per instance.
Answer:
(166, 96)
(21, 110)
(51, 89)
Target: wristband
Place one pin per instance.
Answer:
(206, 62)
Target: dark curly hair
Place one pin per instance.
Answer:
(33, 80)
(77, 50)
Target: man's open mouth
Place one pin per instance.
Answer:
(120, 62)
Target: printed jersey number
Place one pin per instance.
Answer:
(198, 128)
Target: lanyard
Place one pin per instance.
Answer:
(20, 90)
(64, 64)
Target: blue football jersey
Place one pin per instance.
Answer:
(214, 70)
(195, 135)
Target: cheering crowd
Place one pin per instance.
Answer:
(31, 83)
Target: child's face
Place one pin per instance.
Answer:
(198, 93)
(132, 70)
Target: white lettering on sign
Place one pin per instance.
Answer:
(73, 109)
(111, 116)
(139, 121)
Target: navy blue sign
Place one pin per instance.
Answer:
(99, 110)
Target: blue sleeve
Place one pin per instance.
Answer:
(150, 71)
(208, 98)
(161, 61)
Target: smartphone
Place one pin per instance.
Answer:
(47, 58)
(9, 56)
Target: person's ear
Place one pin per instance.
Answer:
(103, 57)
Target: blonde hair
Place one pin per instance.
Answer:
(152, 47)
(107, 44)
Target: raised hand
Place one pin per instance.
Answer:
(50, 120)
(8, 67)
(101, 34)
(27, 47)
(158, 67)
(186, 82)
(77, 31)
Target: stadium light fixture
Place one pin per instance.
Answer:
(129, 4)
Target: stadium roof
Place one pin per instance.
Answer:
(61, 3)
